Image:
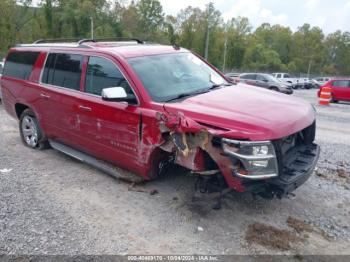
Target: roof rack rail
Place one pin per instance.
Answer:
(80, 41)
(56, 40)
(111, 39)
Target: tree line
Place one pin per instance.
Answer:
(232, 45)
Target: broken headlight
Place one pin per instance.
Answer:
(257, 158)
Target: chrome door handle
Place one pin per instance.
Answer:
(85, 108)
(44, 95)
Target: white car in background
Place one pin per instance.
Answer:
(294, 81)
(322, 80)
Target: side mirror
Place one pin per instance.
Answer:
(117, 94)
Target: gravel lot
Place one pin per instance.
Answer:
(52, 204)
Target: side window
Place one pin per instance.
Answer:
(340, 83)
(102, 73)
(20, 64)
(260, 78)
(63, 70)
(248, 76)
(252, 76)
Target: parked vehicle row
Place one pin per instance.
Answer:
(261, 80)
(286, 79)
(296, 82)
(142, 106)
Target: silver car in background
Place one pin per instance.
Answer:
(266, 81)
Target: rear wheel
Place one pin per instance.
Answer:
(30, 131)
(333, 100)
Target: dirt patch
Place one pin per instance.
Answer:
(299, 225)
(269, 236)
(340, 175)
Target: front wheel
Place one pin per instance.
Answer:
(30, 131)
(273, 88)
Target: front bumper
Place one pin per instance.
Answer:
(287, 91)
(299, 165)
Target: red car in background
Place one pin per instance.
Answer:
(340, 89)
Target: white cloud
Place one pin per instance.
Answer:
(311, 4)
(257, 14)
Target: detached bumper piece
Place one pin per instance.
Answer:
(301, 161)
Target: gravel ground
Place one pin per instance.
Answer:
(52, 204)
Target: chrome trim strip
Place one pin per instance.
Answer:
(243, 143)
(249, 157)
(255, 177)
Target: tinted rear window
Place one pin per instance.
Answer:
(63, 70)
(20, 64)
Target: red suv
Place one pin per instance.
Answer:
(340, 89)
(144, 106)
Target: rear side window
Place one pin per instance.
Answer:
(102, 73)
(250, 76)
(341, 83)
(20, 64)
(63, 70)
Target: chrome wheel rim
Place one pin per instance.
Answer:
(29, 131)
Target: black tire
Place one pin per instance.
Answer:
(274, 88)
(30, 131)
(333, 100)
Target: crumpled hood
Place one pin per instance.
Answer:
(246, 112)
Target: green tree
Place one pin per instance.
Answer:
(236, 33)
(309, 49)
(150, 17)
(338, 53)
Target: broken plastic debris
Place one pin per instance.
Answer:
(5, 170)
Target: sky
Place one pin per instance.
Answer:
(329, 15)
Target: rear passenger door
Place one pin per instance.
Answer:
(341, 90)
(110, 129)
(61, 80)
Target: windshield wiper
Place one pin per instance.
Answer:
(202, 91)
(183, 95)
(214, 86)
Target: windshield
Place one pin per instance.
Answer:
(170, 76)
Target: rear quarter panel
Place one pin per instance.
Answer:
(25, 92)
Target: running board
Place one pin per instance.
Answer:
(99, 164)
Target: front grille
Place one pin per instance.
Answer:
(286, 144)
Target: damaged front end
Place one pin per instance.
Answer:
(267, 168)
